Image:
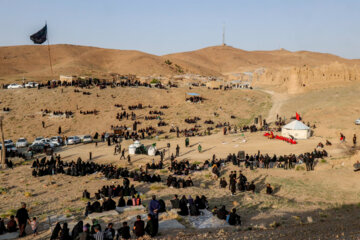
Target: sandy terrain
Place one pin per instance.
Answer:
(322, 204)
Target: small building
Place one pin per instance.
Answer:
(68, 79)
(296, 130)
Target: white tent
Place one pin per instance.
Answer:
(296, 129)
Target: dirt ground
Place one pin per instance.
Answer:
(321, 204)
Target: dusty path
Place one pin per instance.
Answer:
(278, 99)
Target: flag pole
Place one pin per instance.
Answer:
(47, 38)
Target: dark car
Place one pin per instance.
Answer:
(37, 148)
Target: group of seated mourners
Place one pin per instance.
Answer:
(55, 166)
(189, 206)
(192, 120)
(285, 161)
(107, 193)
(135, 107)
(9, 227)
(95, 112)
(179, 182)
(57, 113)
(232, 218)
(95, 231)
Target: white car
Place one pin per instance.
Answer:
(357, 121)
(8, 141)
(87, 139)
(31, 85)
(38, 140)
(57, 139)
(14, 86)
(73, 140)
(51, 144)
(9, 147)
(22, 142)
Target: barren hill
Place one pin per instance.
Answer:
(33, 62)
(292, 70)
(226, 59)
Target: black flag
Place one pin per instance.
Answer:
(40, 36)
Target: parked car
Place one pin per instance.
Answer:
(38, 140)
(8, 141)
(37, 148)
(87, 139)
(73, 140)
(49, 142)
(22, 142)
(57, 139)
(9, 147)
(14, 86)
(357, 121)
(31, 85)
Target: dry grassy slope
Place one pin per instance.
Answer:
(24, 120)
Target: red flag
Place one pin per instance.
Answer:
(297, 117)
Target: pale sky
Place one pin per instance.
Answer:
(167, 26)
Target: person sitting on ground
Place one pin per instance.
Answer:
(121, 202)
(194, 211)
(162, 206)
(11, 225)
(2, 226)
(222, 213)
(233, 218)
(269, 189)
(151, 226)
(55, 232)
(124, 231)
(86, 194)
(184, 211)
(175, 203)
(215, 211)
(223, 183)
(64, 233)
(139, 227)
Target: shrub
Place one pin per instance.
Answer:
(155, 81)
(28, 194)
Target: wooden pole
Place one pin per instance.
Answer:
(3, 150)
(47, 38)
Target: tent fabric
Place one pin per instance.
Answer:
(296, 125)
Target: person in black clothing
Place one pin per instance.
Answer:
(124, 231)
(151, 226)
(109, 232)
(64, 234)
(175, 203)
(11, 224)
(184, 211)
(55, 232)
(22, 217)
(2, 226)
(234, 219)
(269, 189)
(86, 194)
(222, 213)
(139, 227)
(78, 228)
(121, 202)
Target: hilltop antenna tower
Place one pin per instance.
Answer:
(223, 36)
